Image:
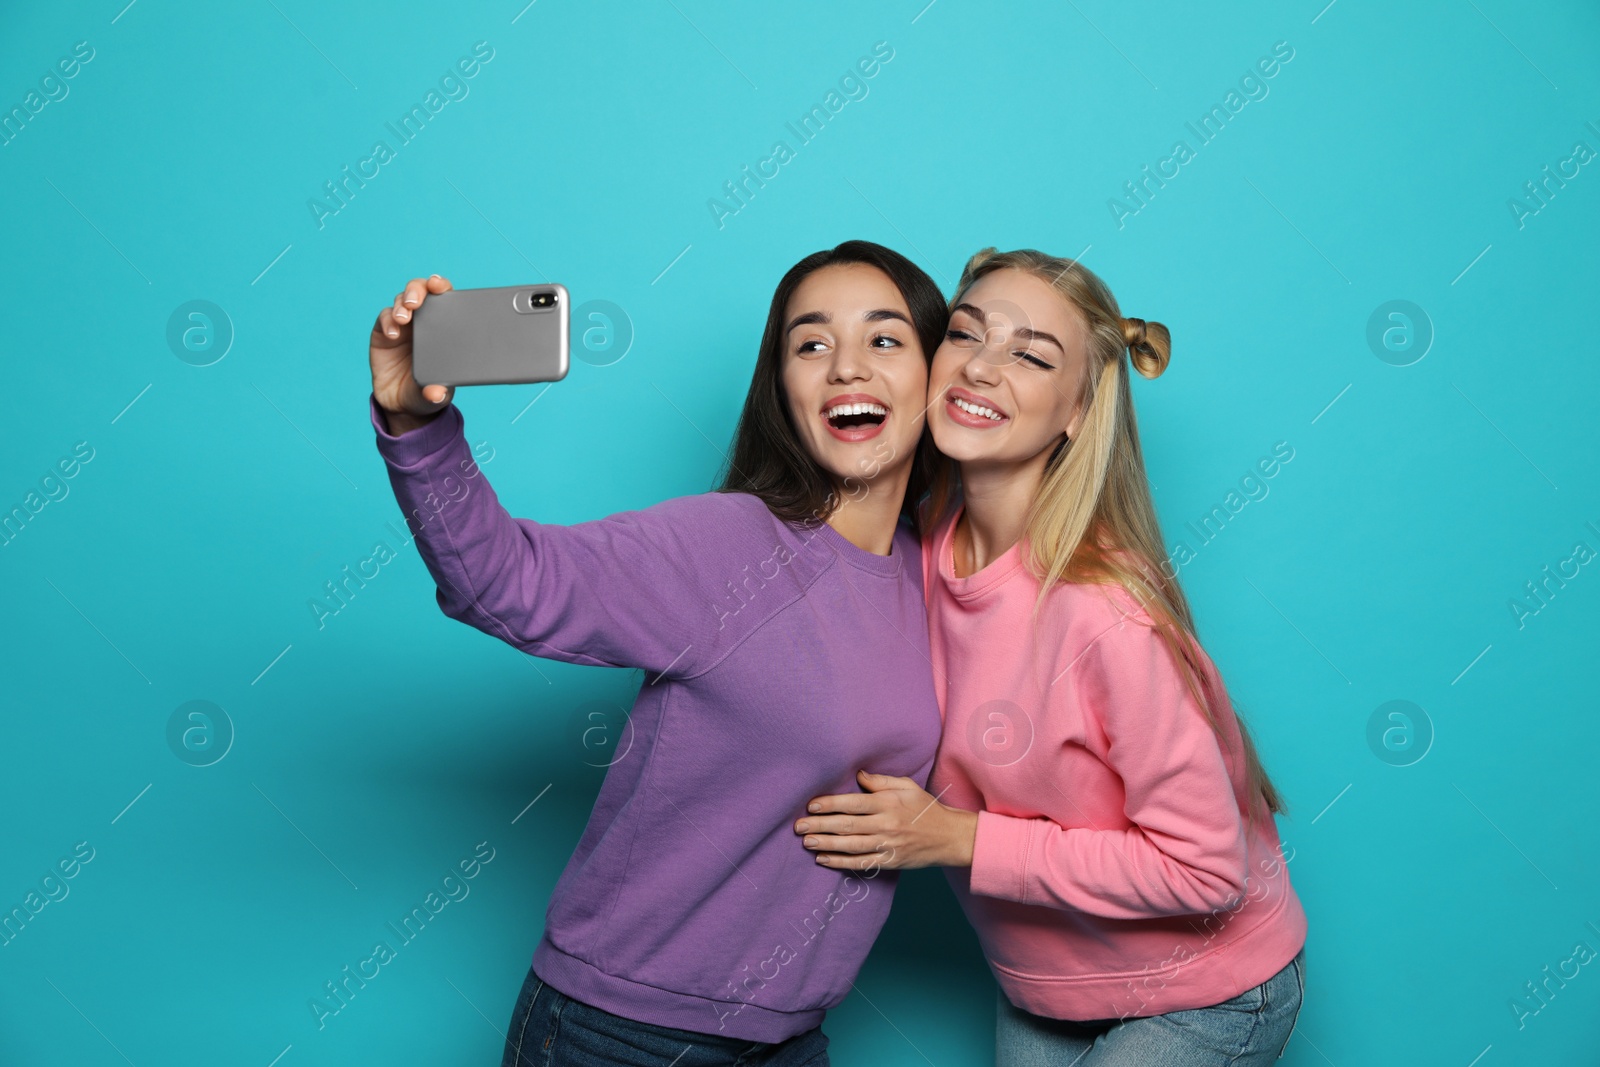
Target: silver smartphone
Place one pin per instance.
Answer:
(499, 336)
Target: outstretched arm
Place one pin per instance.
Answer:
(618, 591)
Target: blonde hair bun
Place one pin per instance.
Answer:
(1149, 346)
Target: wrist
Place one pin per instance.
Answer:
(963, 837)
(401, 422)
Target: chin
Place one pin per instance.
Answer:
(971, 453)
(950, 443)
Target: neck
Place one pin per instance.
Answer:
(994, 517)
(869, 511)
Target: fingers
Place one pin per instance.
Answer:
(851, 845)
(838, 824)
(875, 860)
(386, 324)
(392, 371)
(407, 300)
(884, 781)
(849, 803)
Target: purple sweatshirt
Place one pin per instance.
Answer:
(777, 661)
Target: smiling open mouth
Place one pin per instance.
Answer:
(980, 410)
(856, 416)
(973, 411)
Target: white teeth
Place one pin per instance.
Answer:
(977, 409)
(855, 409)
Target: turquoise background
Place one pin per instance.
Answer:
(370, 755)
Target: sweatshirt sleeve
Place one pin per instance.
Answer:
(614, 592)
(1186, 850)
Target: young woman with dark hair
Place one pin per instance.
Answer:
(781, 625)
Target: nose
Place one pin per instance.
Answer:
(849, 364)
(980, 369)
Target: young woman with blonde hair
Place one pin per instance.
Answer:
(1098, 806)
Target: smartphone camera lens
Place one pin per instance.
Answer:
(543, 300)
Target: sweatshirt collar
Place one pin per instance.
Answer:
(888, 566)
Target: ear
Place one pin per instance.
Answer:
(1076, 422)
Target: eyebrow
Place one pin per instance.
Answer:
(1022, 331)
(883, 314)
(822, 317)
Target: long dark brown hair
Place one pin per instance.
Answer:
(768, 458)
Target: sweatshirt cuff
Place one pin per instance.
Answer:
(1001, 853)
(411, 449)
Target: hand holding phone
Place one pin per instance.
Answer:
(503, 335)
(406, 404)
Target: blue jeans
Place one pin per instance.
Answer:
(550, 1029)
(1250, 1030)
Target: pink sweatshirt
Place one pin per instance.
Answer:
(1115, 871)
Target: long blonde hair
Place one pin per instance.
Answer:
(1093, 521)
